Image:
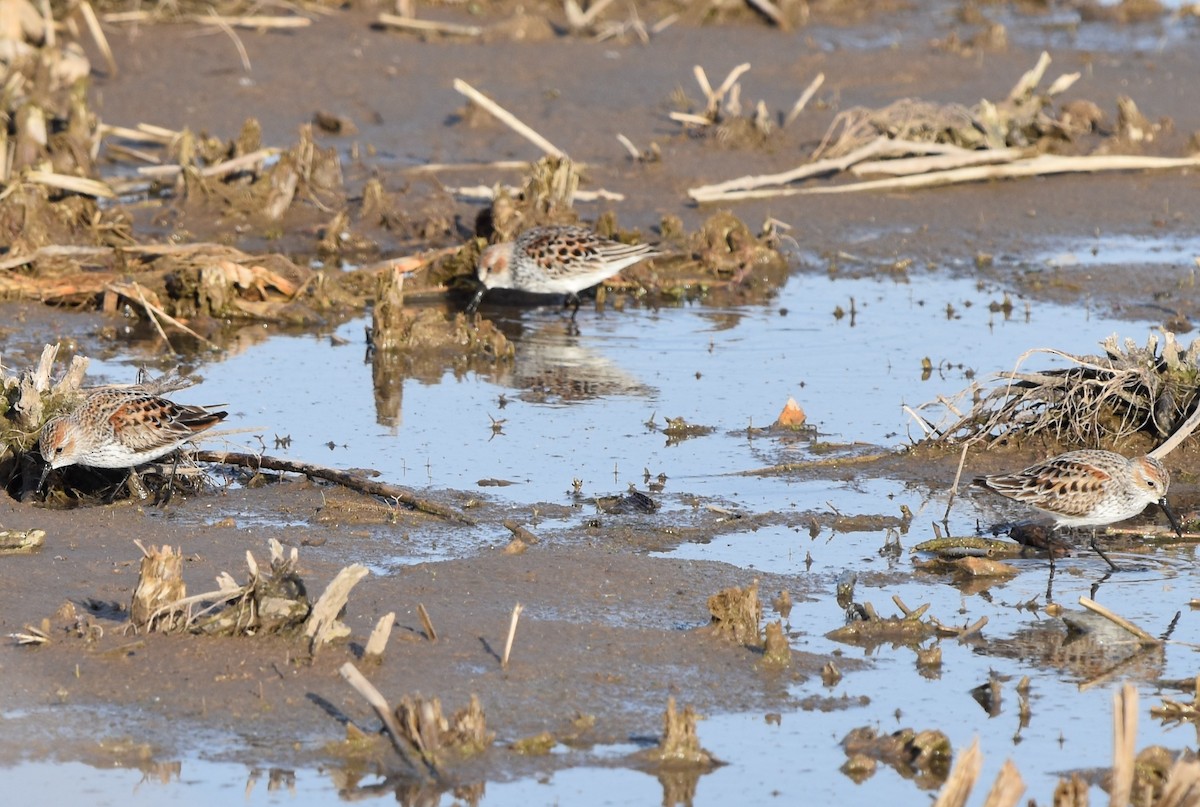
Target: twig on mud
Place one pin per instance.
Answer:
(1121, 622)
(65, 182)
(907, 166)
(499, 165)
(220, 169)
(88, 13)
(628, 144)
(323, 625)
(377, 641)
(579, 19)
(220, 22)
(379, 703)
(772, 12)
(512, 633)
(413, 24)
(962, 460)
(804, 98)
(520, 532)
(1044, 165)
(426, 622)
(487, 193)
(256, 22)
(258, 462)
(507, 118)
(880, 146)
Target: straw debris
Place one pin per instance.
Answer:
(273, 600)
(1095, 400)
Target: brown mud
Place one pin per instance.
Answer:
(609, 632)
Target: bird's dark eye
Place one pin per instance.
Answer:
(59, 450)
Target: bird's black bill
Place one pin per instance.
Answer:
(473, 306)
(1176, 524)
(42, 481)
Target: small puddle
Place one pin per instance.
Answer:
(1125, 250)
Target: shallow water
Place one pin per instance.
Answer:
(730, 369)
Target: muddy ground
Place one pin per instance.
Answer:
(615, 630)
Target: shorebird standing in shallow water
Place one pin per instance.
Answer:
(1089, 488)
(120, 428)
(555, 260)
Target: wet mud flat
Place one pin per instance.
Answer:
(610, 630)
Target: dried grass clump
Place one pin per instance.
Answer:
(273, 600)
(1025, 117)
(435, 737)
(1095, 401)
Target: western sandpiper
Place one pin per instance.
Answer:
(1088, 488)
(555, 260)
(120, 428)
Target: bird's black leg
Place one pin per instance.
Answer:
(473, 306)
(165, 498)
(1100, 552)
(572, 301)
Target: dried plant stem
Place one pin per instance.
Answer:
(377, 641)
(488, 192)
(1124, 745)
(134, 289)
(215, 19)
(379, 703)
(257, 22)
(412, 24)
(628, 144)
(1121, 622)
(507, 118)
(771, 11)
(1178, 436)
(877, 147)
(957, 789)
(942, 162)
(578, 18)
(502, 165)
(512, 632)
(805, 97)
(80, 185)
(220, 169)
(1044, 165)
(323, 625)
(1007, 789)
(88, 13)
(426, 623)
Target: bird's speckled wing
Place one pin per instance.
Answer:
(147, 422)
(556, 247)
(1062, 485)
